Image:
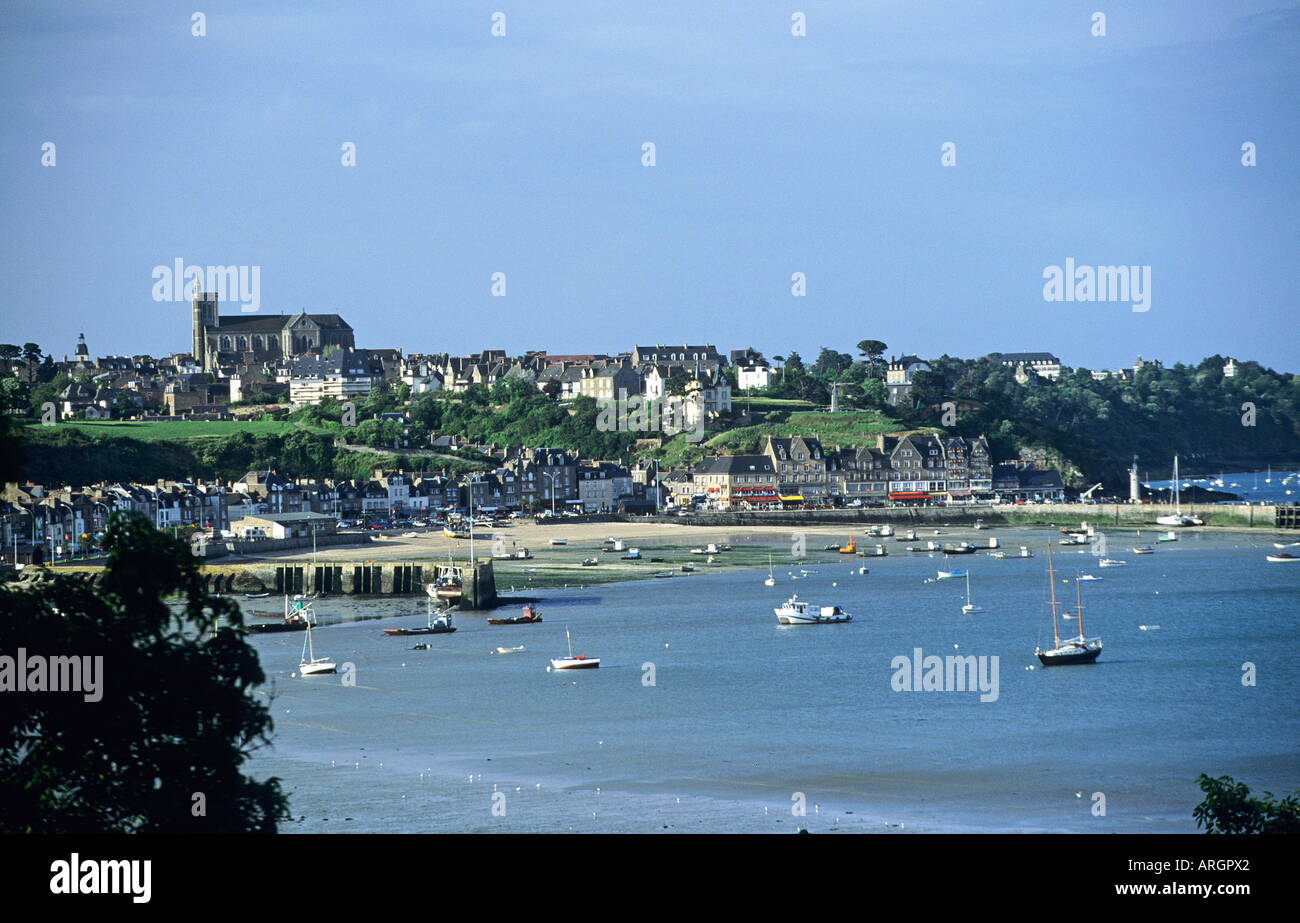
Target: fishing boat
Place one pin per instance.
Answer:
(299, 618)
(311, 664)
(969, 607)
(633, 554)
(1169, 536)
(446, 589)
(434, 624)
(1073, 650)
(527, 616)
(770, 581)
(574, 661)
(797, 612)
(850, 547)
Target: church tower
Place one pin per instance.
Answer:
(83, 353)
(205, 315)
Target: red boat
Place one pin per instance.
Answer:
(528, 616)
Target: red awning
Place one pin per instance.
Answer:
(909, 495)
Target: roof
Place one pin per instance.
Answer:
(1028, 357)
(735, 464)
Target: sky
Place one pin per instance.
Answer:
(774, 154)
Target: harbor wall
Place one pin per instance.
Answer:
(1141, 515)
(356, 578)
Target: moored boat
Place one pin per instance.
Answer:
(797, 612)
(574, 661)
(1074, 650)
(527, 616)
(434, 624)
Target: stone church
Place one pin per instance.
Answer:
(245, 338)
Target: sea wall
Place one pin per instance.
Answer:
(1138, 515)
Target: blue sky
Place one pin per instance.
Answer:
(775, 154)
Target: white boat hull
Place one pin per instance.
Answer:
(318, 666)
(575, 663)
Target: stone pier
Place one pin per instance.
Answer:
(364, 578)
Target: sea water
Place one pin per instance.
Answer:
(705, 715)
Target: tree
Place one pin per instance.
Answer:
(872, 350)
(678, 383)
(32, 355)
(1228, 808)
(830, 364)
(874, 395)
(162, 747)
(927, 389)
(8, 353)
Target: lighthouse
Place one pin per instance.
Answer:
(1134, 489)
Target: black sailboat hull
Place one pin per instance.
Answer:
(1048, 659)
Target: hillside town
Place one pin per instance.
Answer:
(243, 368)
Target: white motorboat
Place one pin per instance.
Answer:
(950, 574)
(1088, 577)
(509, 650)
(574, 661)
(1110, 562)
(797, 612)
(1282, 558)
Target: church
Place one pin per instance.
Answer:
(248, 338)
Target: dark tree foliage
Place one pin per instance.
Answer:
(1228, 808)
(176, 718)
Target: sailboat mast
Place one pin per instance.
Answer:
(1078, 595)
(1178, 507)
(1051, 580)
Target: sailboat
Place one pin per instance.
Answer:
(311, 664)
(1073, 650)
(572, 662)
(969, 607)
(1178, 518)
(770, 581)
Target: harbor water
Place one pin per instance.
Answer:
(707, 716)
